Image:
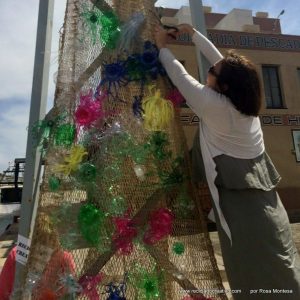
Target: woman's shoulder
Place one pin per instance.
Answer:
(216, 99)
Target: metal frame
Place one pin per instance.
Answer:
(198, 21)
(37, 112)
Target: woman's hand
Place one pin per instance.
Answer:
(185, 28)
(162, 36)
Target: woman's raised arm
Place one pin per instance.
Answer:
(202, 43)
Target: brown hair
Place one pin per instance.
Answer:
(239, 81)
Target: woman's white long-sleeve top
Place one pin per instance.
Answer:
(223, 129)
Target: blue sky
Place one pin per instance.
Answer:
(18, 21)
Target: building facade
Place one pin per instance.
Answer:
(277, 57)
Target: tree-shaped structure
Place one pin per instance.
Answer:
(118, 215)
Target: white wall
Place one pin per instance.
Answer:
(235, 20)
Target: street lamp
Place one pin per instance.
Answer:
(277, 19)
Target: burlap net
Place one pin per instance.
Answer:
(80, 70)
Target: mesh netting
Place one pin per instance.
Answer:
(128, 174)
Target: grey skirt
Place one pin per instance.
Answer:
(262, 261)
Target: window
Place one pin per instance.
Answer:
(296, 140)
(272, 87)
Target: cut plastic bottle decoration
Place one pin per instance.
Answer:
(69, 285)
(176, 98)
(72, 161)
(116, 291)
(88, 111)
(184, 205)
(129, 32)
(124, 234)
(145, 66)
(134, 67)
(178, 248)
(110, 29)
(113, 77)
(158, 111)
(91, 221)
(87, 172)
(157, 145)
(47, 294)
(92, 21)
(117, 206)
(139, 171)
(89, 286)
(64, 135)
(150, 61)
(139, 154)
(173, 177)
(32, 281)
(54, 183)
(71, 235)
(137, 67)
(147, 283)
(43, 131)
(137, 107)
(160, 226)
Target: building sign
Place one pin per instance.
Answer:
(280, 120)
(190, 119)
(244, 40)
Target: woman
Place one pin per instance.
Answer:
(259, 255)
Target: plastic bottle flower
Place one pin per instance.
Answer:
(124, 235)
(43, 131)
(173, 177)
(178, 248)
(150, 61)
(158, 111)
(110, 30)
(116, 291)
(160, 225)
(72, 161)
(146, 282)
(91, 223)
(64, 135)
(157, 145)
(89, 285)
(129, 31)
(176, 98)
(146, 65)
(113, 77)
(88, 111)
